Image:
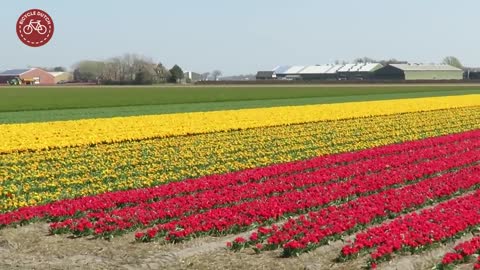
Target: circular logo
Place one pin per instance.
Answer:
(35, 28)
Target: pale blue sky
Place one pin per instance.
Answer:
(248, 35)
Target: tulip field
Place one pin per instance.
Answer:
(346, 185)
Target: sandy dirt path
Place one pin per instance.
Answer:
(31, 247)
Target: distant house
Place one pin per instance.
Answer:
(265, 75)
(411, 72)
(62, 77)
(34, 76)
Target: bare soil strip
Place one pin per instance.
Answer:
(31, 247)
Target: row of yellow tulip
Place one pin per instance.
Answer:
(35, 136)
(31, 178)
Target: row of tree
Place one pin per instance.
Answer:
(126, 69)
(214, 75)
(131, 69)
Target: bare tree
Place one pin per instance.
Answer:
(452, 61)
(392, 61)
(112, 70)
(364, 60)
(216, 74)
(88, 71)
(129, 68)
(126, 69)
(205, 76)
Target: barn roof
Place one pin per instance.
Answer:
(331, 69)
(422, 67)
(294, 70)
(370, 67)
(334, 69)
(55, 74)
(14, 72)
(346, 67)
(327, 69)
(320, 69)
(281, 69)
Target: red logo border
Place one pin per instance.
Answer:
(24, 39)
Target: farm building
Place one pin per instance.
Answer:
(61, 77)
(412, 72)
(192, 76)
(266, 75)
(472, 74)
(361, 71)
(28, 76)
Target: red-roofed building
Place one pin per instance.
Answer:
(29, 76)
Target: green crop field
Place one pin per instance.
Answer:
(34, 104)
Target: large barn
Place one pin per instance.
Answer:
(412, 72)
(360, 71)
(29, 76)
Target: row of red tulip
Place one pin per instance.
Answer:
(241, 216)
(112, 200)
(417, 231)
(148, 213)
(317, 228)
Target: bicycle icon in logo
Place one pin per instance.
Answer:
(35, 25)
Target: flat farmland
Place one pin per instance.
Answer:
(240, 177)
(27, 104)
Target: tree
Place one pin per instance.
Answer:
(144, 71)
(216, 74)
(111, 71)
(144, 76)
(205, 76)
(126, 69)
(88, 71)
(129, 69)
(452, 61)
(364, 60)
(392, 61)
(176, 74)
(59, 69)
